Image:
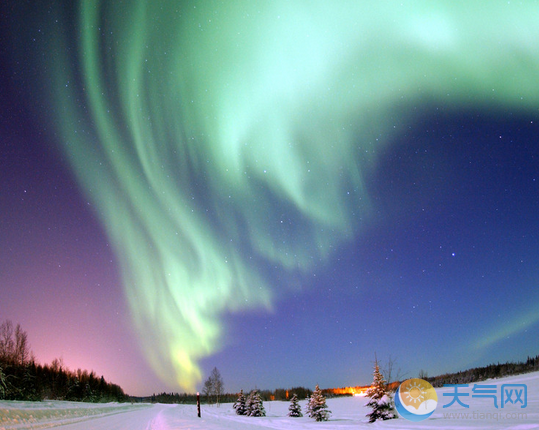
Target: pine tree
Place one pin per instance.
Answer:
(255, 405)
(249, 403)
(239, 405)
(294, 408)
(380, 401)
(317, 408)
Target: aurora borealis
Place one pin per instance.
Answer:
(233, 150)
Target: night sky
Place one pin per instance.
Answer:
(278, 189)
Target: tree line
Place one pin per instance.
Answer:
(191, 399)
(476, 374)
(213, 392)
(21, 378)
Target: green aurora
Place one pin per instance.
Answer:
(219, 138)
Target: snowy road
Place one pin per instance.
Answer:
(160, 417)
(135, 419)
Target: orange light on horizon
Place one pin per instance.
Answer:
(354, 391)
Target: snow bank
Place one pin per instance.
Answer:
(39, 415)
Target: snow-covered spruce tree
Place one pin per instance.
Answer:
(239, 405)
(294, 408)
(317, 408)
(256, 407)
(249, 403)
(380, 401)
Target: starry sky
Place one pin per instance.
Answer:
(280, 190)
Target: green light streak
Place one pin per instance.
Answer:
(512, 327)
(213, 136)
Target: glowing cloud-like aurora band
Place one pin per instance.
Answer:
(216, 137)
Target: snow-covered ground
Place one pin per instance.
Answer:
(347, 413)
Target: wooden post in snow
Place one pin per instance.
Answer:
(198, 404)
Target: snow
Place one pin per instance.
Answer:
(347, 413)
(385, 400)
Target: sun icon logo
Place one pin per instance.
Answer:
(416, 399)
(414, 392)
